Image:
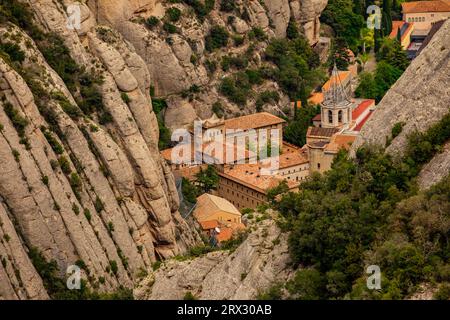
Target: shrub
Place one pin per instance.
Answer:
(292, 30)
(19, 122)
(87, 214)
(217, 108)
(75, 209)
(75, 182)
(238, 40)
(443, 293)
(258, 34)
(113, 265)
(54, 164)
(227, 5)
(189, 190)
(217, 38)
(152, 22)
(16, 155)
(54, 144)
(45, 180)
(173, 14)
(156, 265)
(98, 204)
(13, 50)
(237, 89)
(110, 227)
(211, 65)
(189, 296)
(202, 9)
(170, 28)
(125, 98)
(397, 129)
(64, 164)
(266, 97)
(307, 284)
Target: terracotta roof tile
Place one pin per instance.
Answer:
(253, 121)
(341, 77)
(362, 107)
(340, 141)
(250, 176)
(316, 98)
(426, 6)
(209, 224)
(321, 132)
(225, 234)
(292, 159)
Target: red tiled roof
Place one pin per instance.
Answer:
(363, 121)
(318, 117)
(399, 24)
(209, 224)
(253, 121)
(342, 77)
(426, 6)
(224, 234)
(340, 141)
(395, 25)
(361, 108)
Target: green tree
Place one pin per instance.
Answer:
(190, 191)
(207, 179)
(217, 38)
(308, 284)
(340, 16)
(386, 17)
(295, 131)
(392, 52)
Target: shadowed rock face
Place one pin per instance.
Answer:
(420, 98)
(115, 200)
(170, 63)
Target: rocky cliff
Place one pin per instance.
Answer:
(259, 262)
(419, 99)
(177, 61)
(81, 187)
(81, 178)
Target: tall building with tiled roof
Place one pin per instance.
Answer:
(424, 14)
(336, 107)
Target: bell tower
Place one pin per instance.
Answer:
(336, 107)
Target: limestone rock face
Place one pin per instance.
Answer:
(178, 61)
(420, 98)
(104, 196)
(259, 261)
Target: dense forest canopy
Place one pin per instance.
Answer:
(368, 211)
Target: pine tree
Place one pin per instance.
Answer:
(387, 17)
(377, 39)
(399, 35)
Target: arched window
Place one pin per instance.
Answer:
(330, 116)
(340, 116)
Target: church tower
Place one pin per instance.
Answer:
(336, 108)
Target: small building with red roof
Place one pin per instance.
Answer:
(405, 29)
